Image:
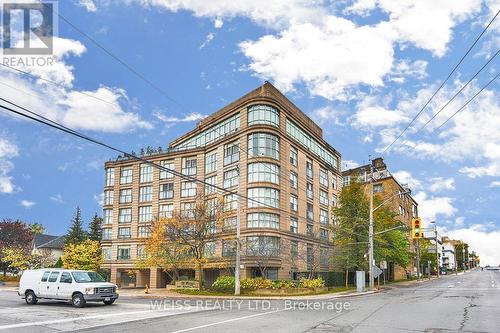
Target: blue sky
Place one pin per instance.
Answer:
(360, 69)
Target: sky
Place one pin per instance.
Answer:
(361, 69)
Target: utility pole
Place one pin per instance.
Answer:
(238, 244)
(418, 258)
(437, 253)
(370, 231)
(463, 255)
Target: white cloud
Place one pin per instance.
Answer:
(57, 198)
(218, 23)
(483, 241)
(405, 177)
(8, 150)
(495, 183)
(376, 116)
(173, 119)
(432, 208)
(405, 68)
(208, 39)
(99, 198)
(89, 5)
(27, 203)
(327, 114)
(439, 184)
(349, 164)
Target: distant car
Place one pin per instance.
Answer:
(492, 268)
(76, 286)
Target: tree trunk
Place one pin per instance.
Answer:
(200, 275)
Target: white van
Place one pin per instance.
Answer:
(76, 286)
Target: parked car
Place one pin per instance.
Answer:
(76, 286)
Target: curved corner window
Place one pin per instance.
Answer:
(263, 197)
(263, 172)
(263, 114)
(263, 145)
(263, 220)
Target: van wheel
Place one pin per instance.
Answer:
(109, 302)
(30, 298)
(78, 301)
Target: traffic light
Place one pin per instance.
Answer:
(416, 231)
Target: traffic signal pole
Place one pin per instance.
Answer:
(370, 233)
(418, 258)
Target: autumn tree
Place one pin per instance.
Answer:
(192, 227)
(15, 236)
(262, 250)
(76, 232)
(95, 228)
(85, 255)
(37, 228)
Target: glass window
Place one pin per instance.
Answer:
(323, 197)
(263, 197)
(293, 180)
(323, 257)
(146, 174)
(108, 216)
(231, 153)
(106, 253)
(263, 145)
(188, 209)
(209, 249)
(309, 168)
(334, 200)
(145, 214)
(124, 232)
(126, 175)
(125, 215)
(53, 276)
(107, 233)
(212, 181)
(126, 196)
(378, 188)
(166, 211)
(263, 114)
(167, 191)
(110, 176)
(294, 249)
(323, 216)
(346, 181)
(141, 251)
(108, 197)
(323, 234)
(167, 165)
(189, 166)
(294, 203)
(310, 212)
(263, 220)
(310, 256)
(230, 202)
(45, 276)
(211, 162)
(294, 225)
(334, 182)
(146, 193)
(123, 252)
(144, 231)
(323, 177)
(263, 246)
(309, 190)
(263, 172)
(230, 223)
(228, 248)
(311, 144)
(231, 178)
(188, 189)
(212, 134)
(294, 156)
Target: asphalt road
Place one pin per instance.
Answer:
(463, 303)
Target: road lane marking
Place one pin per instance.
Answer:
(229, 320)
(69, 320)
(451, 286)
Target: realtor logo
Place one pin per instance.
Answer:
(27, 28)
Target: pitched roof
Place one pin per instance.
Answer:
(49, 241)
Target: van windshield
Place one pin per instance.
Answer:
(85, 277)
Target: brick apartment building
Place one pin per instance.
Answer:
(283, 161)
(385, 186)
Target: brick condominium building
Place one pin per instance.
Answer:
(398, 196)
(279, 158)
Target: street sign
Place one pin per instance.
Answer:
(376, 271)
(383, 264)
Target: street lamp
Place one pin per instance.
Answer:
(436, 240)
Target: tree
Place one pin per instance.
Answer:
(76, 233)
(37, 228)
(160, 252)
(262, 250)
(95, 228)
(14, 236)
(85, 255)
(195, 226)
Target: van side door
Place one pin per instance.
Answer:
(43, 284)
(52, 285)
(65, 286)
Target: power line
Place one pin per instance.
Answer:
(441, 86)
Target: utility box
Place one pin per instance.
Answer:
(360, 281)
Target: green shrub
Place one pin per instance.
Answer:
(312, 283)
(283, 284)
(224, 283)
(9, 278)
